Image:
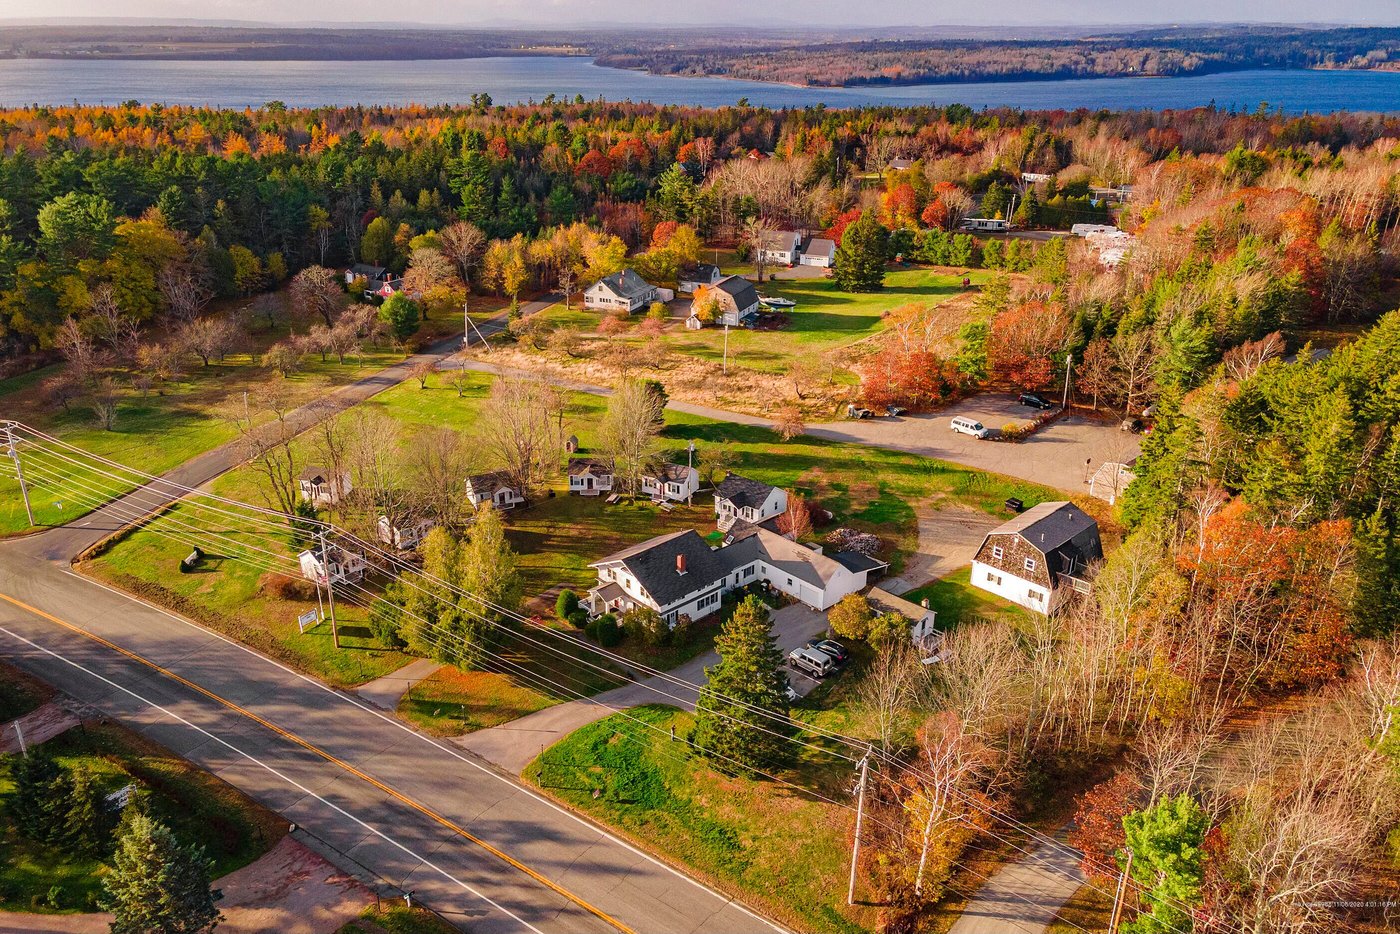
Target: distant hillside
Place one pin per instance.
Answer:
(815, 57)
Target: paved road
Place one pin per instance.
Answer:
(372, 788)
(512, 746)
(1023, 897)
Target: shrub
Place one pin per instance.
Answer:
(604, 631)
(851, 617)
(386, 622)
(578, 618)
(646, 625)
(566, 604)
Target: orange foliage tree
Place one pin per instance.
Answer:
(1024, 341)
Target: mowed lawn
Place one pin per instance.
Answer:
(956, 601)
(825, 318)
(784, 850)
(198, 807)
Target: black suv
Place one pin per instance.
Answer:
(832, 648)
(1035, 400)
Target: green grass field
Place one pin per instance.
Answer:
(956, 601)
(824, 319)
(160, 430)
(197, 806)
(784, 850)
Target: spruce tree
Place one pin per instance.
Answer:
(157, 885)
(86, 823)
(860, 259)
(41, 790)
(731, 726)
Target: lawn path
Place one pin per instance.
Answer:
(386, 691)
(1025, 896)
(514, 745)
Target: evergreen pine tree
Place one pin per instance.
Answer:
(41, 789)
(860, 259)
(86, 824)
(158, 886)
(749, 675)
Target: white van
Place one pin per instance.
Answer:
(969, 426)
(811, 662)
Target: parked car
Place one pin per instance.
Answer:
(968, 426)
(1035, 400)
(811, 662)
(831, 647)
(855, 411)
(894, 411)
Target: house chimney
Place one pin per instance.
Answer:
(680, 564)
(924, 603)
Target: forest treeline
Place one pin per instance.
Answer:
(850, 63)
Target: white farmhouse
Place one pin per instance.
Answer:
(741, 499)
(343, 565)
(625, 291)
(1039, 558)
(781, 247)
(675, 482)
(681, 575)
(495, 488)
(590, 476)
(320, 488)
(819, 251)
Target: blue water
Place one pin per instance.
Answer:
(510, 80)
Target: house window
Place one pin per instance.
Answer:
(1030, 564)
(996, 552)
(1036, 595)
(994, 579)
(789, 581)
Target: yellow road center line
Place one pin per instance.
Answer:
(329, 757)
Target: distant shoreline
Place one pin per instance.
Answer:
(278, 55)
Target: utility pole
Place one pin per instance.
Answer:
(1118, 895)
(19, 734)
(330, 588)
(860, 819)
(724, 366)
(19, 471)
(1069, 367)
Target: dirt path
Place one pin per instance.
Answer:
(948, 538)
(38, 726)
(289, 890)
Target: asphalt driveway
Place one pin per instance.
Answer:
(513, 745)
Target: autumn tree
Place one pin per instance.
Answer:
(1026, 341)
(630, 431)
(316, 293)
(519, 429)
(796, 520)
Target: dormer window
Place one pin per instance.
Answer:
(997, 552)
(1030, 564)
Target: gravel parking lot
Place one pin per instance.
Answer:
(1062, 455)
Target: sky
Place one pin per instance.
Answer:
(827, 13)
